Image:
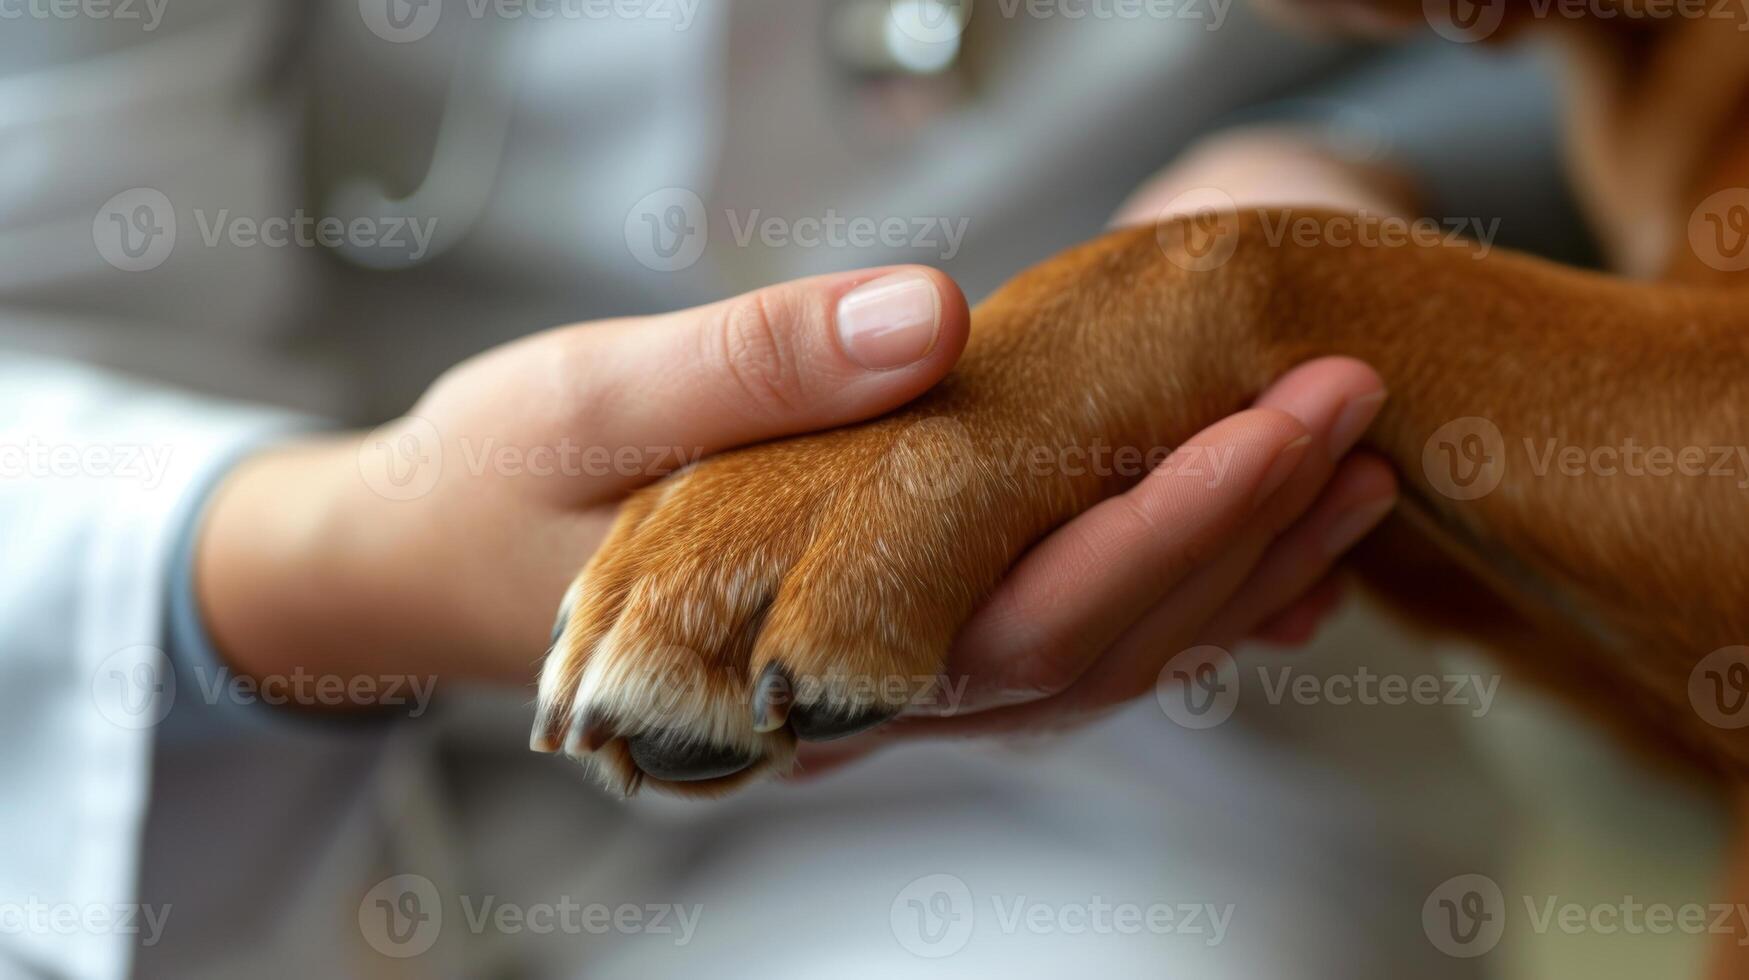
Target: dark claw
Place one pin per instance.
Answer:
(660, 756)
(587, 733)
(559, 624)
(822, 723)
(772, 695)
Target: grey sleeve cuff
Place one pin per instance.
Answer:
(213, 699)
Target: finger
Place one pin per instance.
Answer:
(1299, 622)
(1030, 641)
(1110, 655)
(1221, 602)
(790, 358)
(1358, 498)
(1337, 398)
(816, 759)
(1104, 568)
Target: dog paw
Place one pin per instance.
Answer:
(805, 590)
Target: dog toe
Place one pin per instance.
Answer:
(779, 594)
(774, 708)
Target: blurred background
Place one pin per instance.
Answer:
(523, 165)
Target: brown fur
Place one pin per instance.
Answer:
(832, 552)
(855, 555)
(858, 553)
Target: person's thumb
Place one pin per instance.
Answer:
(791, 358)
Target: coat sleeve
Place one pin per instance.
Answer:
(98, 477)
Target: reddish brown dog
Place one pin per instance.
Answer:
(783, 582)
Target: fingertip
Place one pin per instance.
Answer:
(1363, 496)
(790, 358)
(1269, 427)
(1293, 628)
(1365, 476)
(1299, 623)
(1261, 447)
(1337, 398)
(956, 318)
(1339, 374)
(1334, 396)
(817, 759)
(898, 331)
(870, 304)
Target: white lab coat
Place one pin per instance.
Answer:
(266, 838)
(95, 475)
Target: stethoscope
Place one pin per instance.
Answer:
(466, 155)
(868, 37)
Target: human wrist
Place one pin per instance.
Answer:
(308, 560)
(276, 563)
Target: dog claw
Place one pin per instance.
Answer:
(772, 695)
(588, 733)
(657, 754)
(546, 735)
(549, 729)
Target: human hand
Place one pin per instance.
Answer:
(1089, 617)
(440, 545)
